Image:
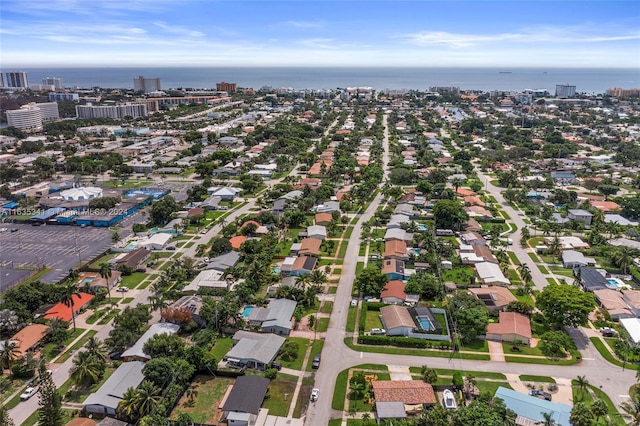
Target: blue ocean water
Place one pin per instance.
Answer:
(586, 80)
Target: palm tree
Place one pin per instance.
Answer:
(128, 406)
(581, 415)
(581, 382)
(8, 353)
(69, 290)
(456, 183)
(73, 274)
(105, 272)
(157, 302)
(525, 273)
(191, 393)
(115, 237)
(623, 257)
(357, 389)
(631, 409)
(317, 277)
(302, 281)
(547, 420)
(599, 409)
(96, 348)
(86, 369)
(148, 397)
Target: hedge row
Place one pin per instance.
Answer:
(404, 342)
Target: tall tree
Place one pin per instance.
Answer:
(631, 409)
(581, 383)
(599, 409)
(565, 305)
(5, 420)
(581, 415)
(105, 273)
(69, 292)
(86, 369)
(49, 400)
(8, 353)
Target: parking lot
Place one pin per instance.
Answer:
(57, 247)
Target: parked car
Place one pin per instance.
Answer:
(141, 269)
(315, 392)
(171, 248)
(14, 229)
(276, 365)
(115, 356)
(540, 394)
(316, 362)
(123, 289)
(375, 257)
(608, 332)
(378, 331)
(150, 264)
(204, 231)
(354, 303)
(28, 393)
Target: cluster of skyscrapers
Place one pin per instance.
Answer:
(19, 80)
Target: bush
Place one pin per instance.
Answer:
(404, 342)
(289, 351)
(271, 373)
(457, 380)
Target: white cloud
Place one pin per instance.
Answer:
(177, 29)
(304, 24)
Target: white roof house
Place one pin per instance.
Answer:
(155, 242)
(632, 325)
(616, 218)
(317, 231)
(210, 278)
(136, 351)
(490, 273)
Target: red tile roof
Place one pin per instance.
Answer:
(395, 289)
(63, 312)
(406, 391)
(511, 323)
(310, 246)
(395, 248)
(237, 241)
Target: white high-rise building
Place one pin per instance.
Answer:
(565, 91)
(55, 81)
(17, 79)
(146, 85)
(117, 112)
(31, 116)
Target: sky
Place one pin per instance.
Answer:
(66, 33)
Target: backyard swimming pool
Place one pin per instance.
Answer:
(246, 311)
(425, 323)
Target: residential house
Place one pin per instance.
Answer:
(575, 259)
(405, 209)
(29, 338)
(275, 318)
(64, 312)
(491, 274)
(620, 220)
(328, 207)
(568, 242)
(396, 320)
(133, 259)
(106, 399)
(279, 206)
(310, 247)
(317, 231)
(187, 305)
(225, 193)
(591, 279)
(398, 234)
(323, 219)
(210, 278)
(236, 241)
(389, 411)
(395, 249)
(136, 351)
(394, 269)
(416, 395)
(473, 238)
(397, 220)
(393, 293)
(614, 302)
(242, 405)
(92, 282)
(511, 327)
(303, 265)
(530, 410)
(479, 213)
(581, 216)
(211, 203)
(496, 298)
(224, 261)
(605, 206)
(254, 350)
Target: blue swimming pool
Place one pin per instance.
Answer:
(275, 269)
(425, 323)
(87, 280)
(246, 311)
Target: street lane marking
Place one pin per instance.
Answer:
(361, 355)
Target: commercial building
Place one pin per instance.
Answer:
(17, 79)
(623, 93)
(54, 81)
(117, 112)
(64, 97)
(226, 87)
(146, 85)
(31, 116)
(565, 90)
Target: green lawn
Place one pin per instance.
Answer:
(534, 378)
(491, 387)
(96, 315)
(599, 345)
(50, 351)
(340, 391)
(326, 307)
(513, 258)
(111, 315)
(316, 349)
(104, 259)
(79, 344)
(296, 363)
(133, 280)
(522, 350)
(280, 395)
(204, 408)
(221, 347)
(351, 320)
(417, 352)
(372, 320)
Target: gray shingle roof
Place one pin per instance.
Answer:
(158, 328)
(247, 394)
(257, 346)
(128, 375)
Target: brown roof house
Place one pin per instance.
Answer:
(393, 293)
(29, 338)
(310, 247)
(495, 297)
(323, 219)
(512, 327)
(395, 249)
(414, 394)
